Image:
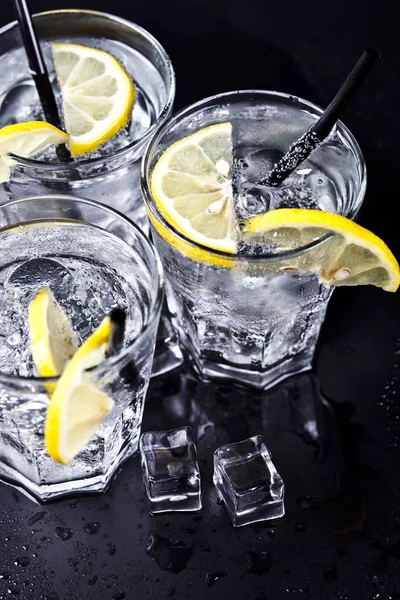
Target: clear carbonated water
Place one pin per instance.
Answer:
(307, 187)
(110, 181)
(89, 272)
(20, 102)
(258, 320)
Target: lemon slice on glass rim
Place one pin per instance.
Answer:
(352, 255)
(192, 188)
(97, 95)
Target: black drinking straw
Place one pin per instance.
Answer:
(302, 148)
(38, 70)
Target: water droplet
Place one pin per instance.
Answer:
(92, 580)
(36, 517)
(22, 562)
(211, 578)
(271, 533)
(169, 555)
(64, 533)
(91, 528)
(260, 563)
(111, 549)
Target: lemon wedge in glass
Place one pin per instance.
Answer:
(52, 339)
(77, 406)
(97, 95)
(191, 185)
(26, 140)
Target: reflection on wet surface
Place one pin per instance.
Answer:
(316, 445)
(340, 524)
(169, 555)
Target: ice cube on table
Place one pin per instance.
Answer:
(170, 470)
(247, 482)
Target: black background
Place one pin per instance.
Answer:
(346, 548)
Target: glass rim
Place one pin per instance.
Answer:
(61, 166)
(241, 94)
(112, 361)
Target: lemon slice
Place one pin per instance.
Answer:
(353, 255)
(98, 95)
(191, 185)
(77, 407)
(26, 140)
(53, 341)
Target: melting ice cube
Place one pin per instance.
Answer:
(247, 481)
(170, 470)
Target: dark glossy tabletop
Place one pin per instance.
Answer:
(340, 538)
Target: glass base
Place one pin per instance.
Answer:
(46, 493)
(167, 354)
(207, 369)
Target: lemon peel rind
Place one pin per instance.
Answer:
(168, 212)
(352, 232)
(91, 353)
(82, 147)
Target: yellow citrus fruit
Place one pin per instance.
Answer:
(26, 140)
(192, 188)
(98, 95)
(352, 255)
(52, 339)
(77, 406)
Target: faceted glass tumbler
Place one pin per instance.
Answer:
(78, 248)
(248, 482)
(170, 470)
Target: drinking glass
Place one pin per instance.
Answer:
(254, 317)
(109, 175)
(93, 260)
